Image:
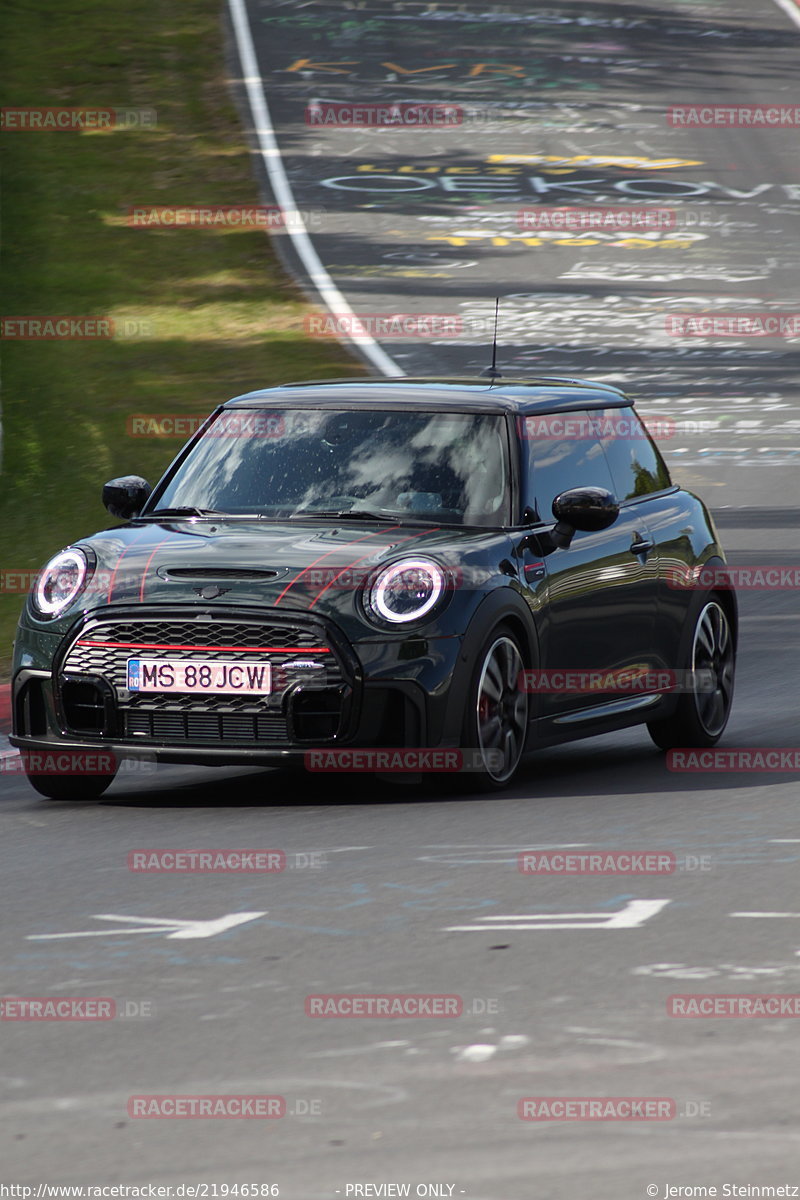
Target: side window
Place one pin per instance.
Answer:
(636, 466)
(562, 452)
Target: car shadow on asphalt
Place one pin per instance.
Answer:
(578, 770)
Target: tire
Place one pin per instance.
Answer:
(66, 787)
(495, 714)
(701, 714)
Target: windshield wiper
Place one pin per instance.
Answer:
(170, 514)
(359, 514)
(188, 511)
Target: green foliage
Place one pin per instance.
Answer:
(217, 312)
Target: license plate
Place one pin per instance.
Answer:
(212, 678)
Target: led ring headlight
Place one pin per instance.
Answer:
(60, 583)
(406, 591)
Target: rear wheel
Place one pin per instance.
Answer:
(703, 710)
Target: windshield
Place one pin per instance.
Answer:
(449, 468)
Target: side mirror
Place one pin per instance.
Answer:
(587, 508)
(125, 497)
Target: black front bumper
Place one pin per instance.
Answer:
(83, 703)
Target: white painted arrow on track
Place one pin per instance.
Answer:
(171, 928)
(635, 913)
(764, 914)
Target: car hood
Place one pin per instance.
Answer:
(311, 566)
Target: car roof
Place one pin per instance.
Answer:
(545, 394)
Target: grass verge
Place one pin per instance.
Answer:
(214, 311)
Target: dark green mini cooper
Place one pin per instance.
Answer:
(471, 567)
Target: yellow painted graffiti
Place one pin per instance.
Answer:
(550, 164)
(482, 68)
(415, 169)
(628, 243)
(392, 272)
(597, 160)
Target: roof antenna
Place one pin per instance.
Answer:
(492, 372)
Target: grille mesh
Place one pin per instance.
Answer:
(204, 727)
(192, 717)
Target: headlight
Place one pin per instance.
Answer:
(406, 591)
(60, 583)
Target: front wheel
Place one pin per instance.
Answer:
(496, 713)
(703, 710)
(70, 787)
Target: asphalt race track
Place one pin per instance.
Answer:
(427, 221)
(389, 888)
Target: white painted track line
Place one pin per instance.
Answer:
(281, 188)
(791, 9)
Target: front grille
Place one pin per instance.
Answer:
(89, 654)
(205, 727)
(103, 648)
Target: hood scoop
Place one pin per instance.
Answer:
(206, 574)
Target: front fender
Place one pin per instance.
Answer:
(503, 606)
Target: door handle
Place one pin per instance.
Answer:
(642, 545)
